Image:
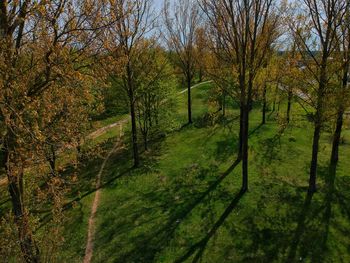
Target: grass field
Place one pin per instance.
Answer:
(184, 203)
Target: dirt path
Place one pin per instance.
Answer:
(195, 86)
(91, 227)
(102, 130)
(95, 203)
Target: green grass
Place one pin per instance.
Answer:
(184, 204)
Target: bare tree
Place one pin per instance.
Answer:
(125, 44)
(181, 21)
(244, 31)
(315, 29)
(342, 94)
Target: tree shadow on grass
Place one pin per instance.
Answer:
(200, 246)
(313, 232)
(301, 225)
(156, 223)
(86, 183)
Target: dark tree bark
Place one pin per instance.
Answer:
(223, 103)
(134, 129)
(336, 142)
(264, 106)
(314, 159)
(240, 132)
(245, 128)
(52, 159)
(275, 97)
(317, 126)
(189, 101)
(200, 74)
(289, 104)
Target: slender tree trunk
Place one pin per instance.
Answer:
(145, 142)
(275, 97)
(317, 126)
(189, 102)
(289, 104)
(130, 88)
(134, 130)
(245, 128)
(14, 171)
(224, 104)
(264, 106)
(340, 113)
(313, 166)
(240, 139)
(336, 142)
(52, 160)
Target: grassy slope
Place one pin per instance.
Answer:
(177, 207)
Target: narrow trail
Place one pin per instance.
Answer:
(104, 129)
(91, 227)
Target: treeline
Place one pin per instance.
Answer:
(59, 60)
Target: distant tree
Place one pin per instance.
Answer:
(181, 23)
(125, 44)
(154, 95)
(201, 52)
(289, 80)
(245, 31)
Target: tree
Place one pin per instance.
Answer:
(41, 44)
(125, 46)
(154, 95)
(341, 93)
(201, 52)
(315, 30)
(181, 26)
(245, 30)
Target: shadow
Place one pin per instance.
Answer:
(251, 132)
(48, 217)
(157, 222)
(226, 148)
(270, 148)
(201, 245)
(301, 225)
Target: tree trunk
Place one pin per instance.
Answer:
(336, 142)
(130, 89)
(14, 171)
(264, 106)
(134, 131)
(189, 106)
(318, 123)
(275, 97)
(145, 142)
(52, 160)
(239, 157)
(289, 104)
(313, 167)
(245, 127)
(224, 104)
